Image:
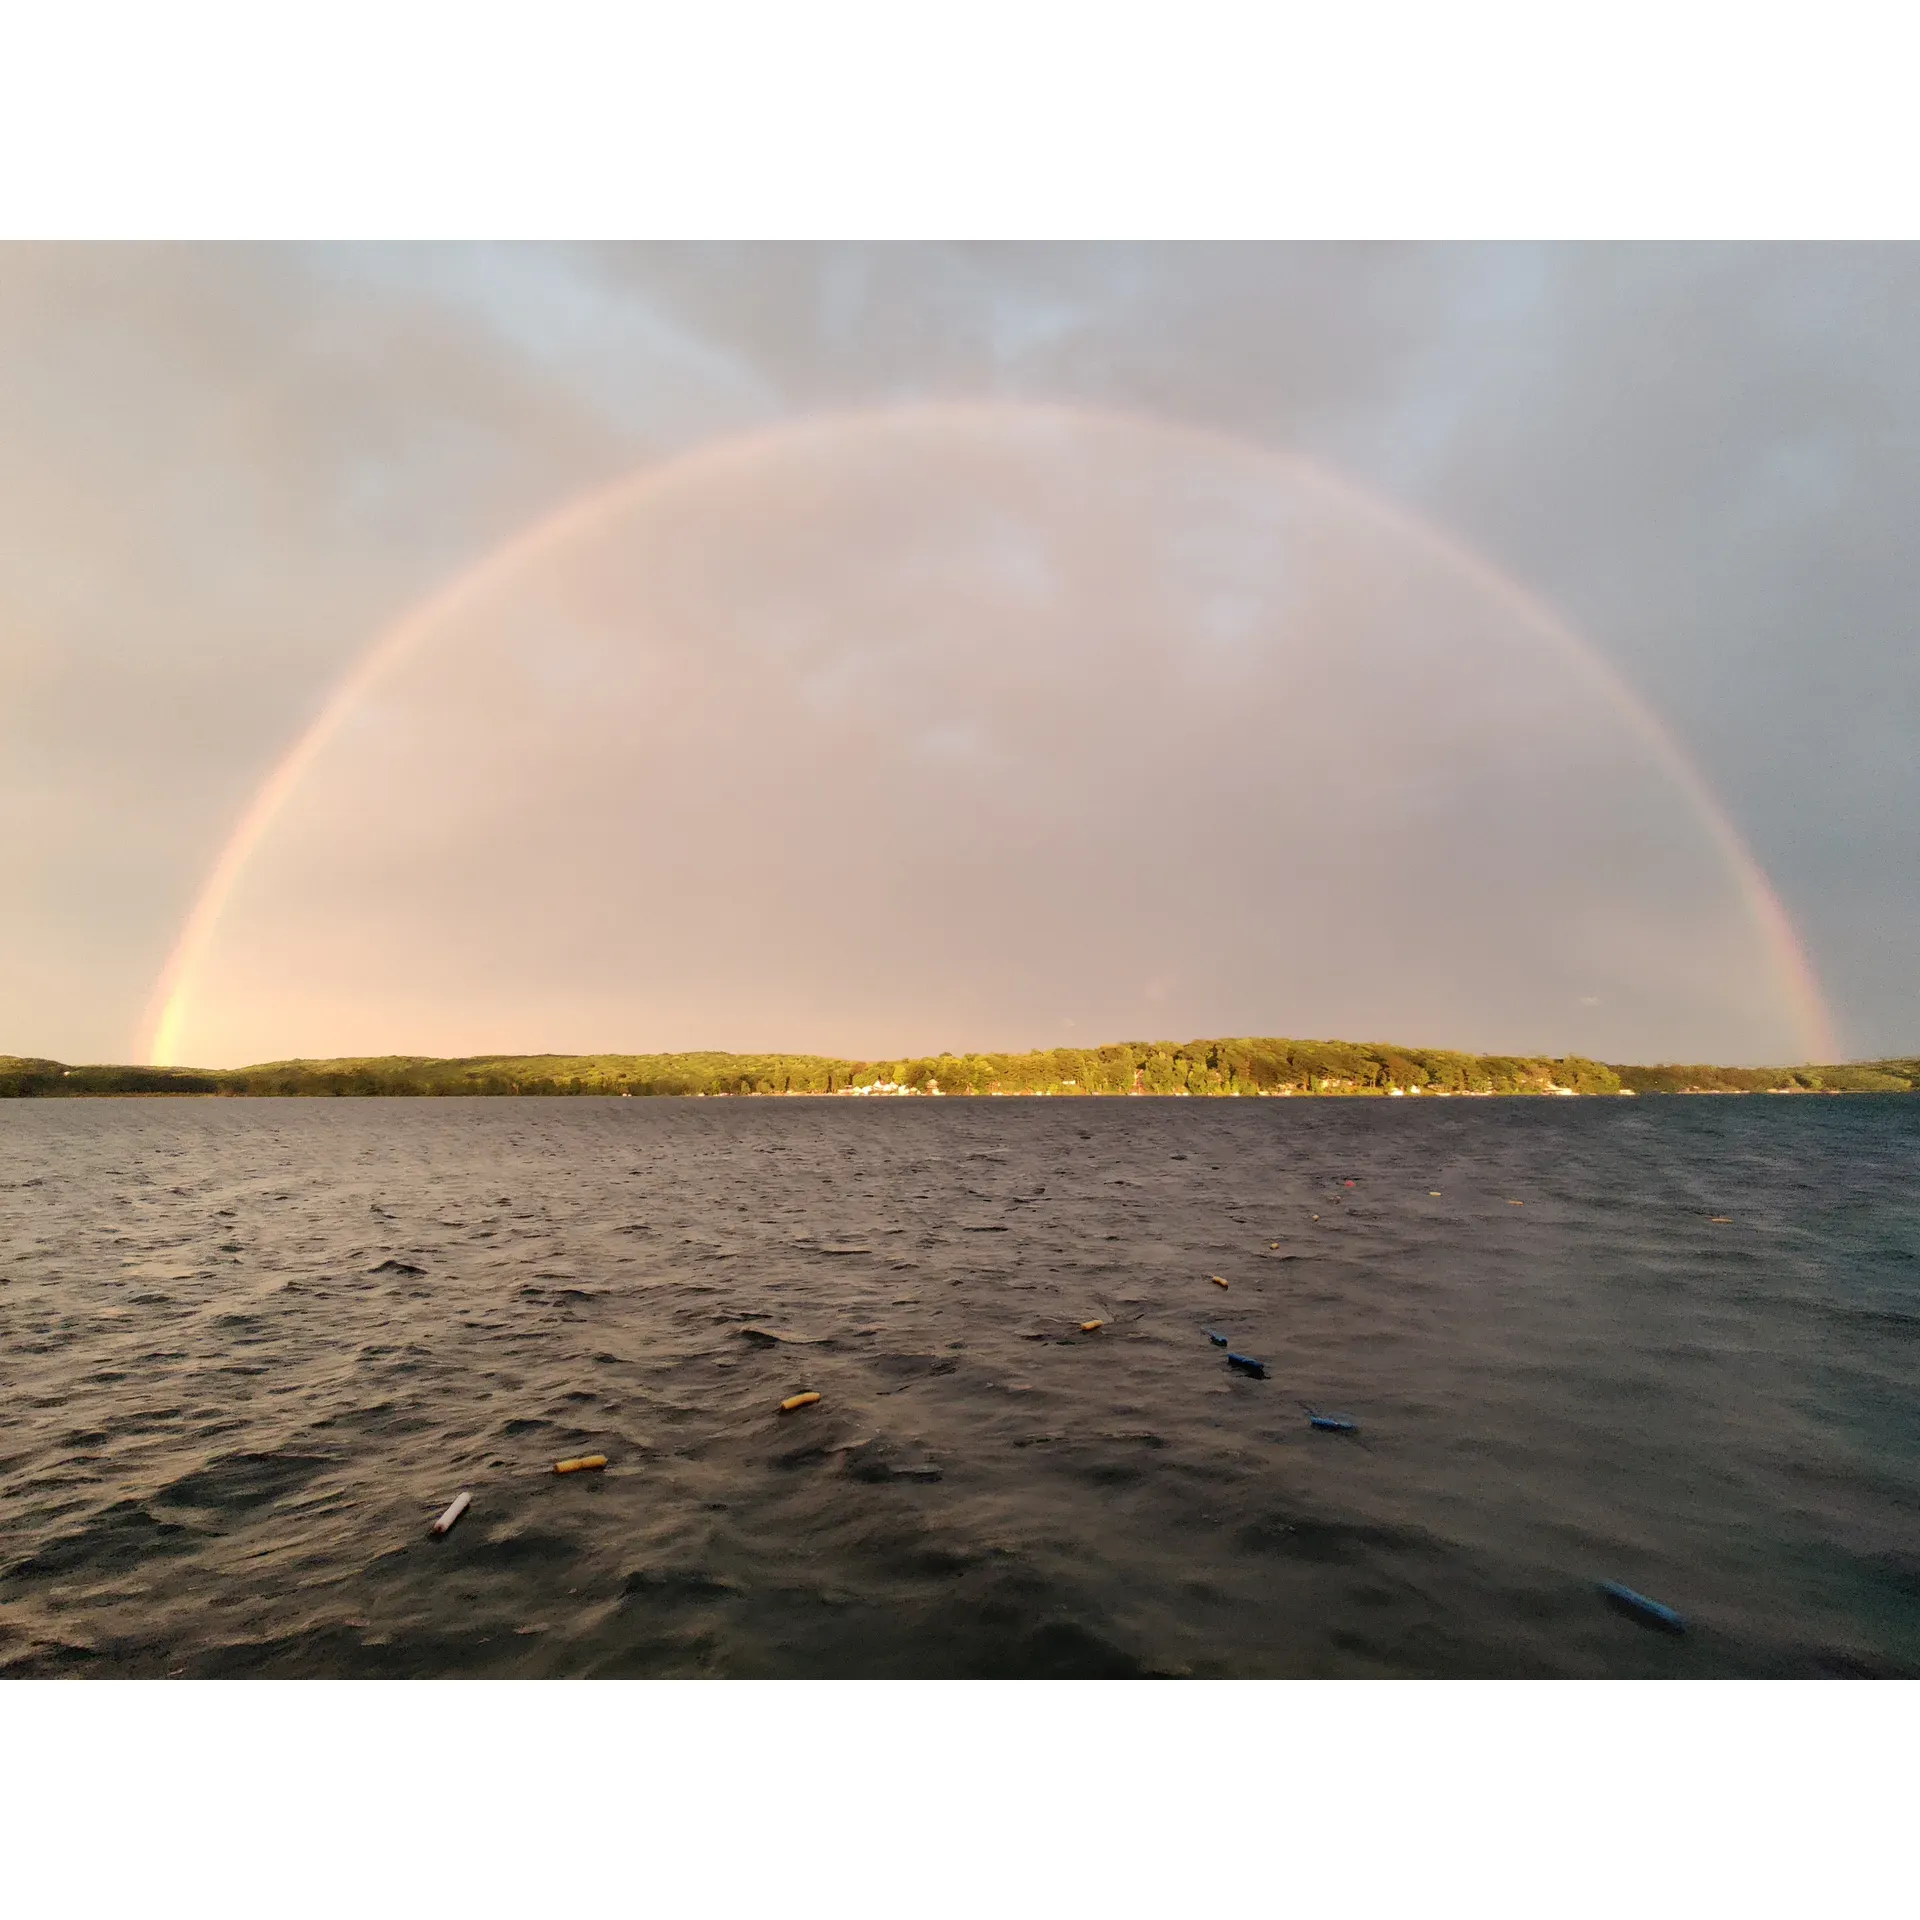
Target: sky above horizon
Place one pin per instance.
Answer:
(880, 649)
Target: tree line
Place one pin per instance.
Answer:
(1204, 1068)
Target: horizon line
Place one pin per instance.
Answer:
(896, 1057)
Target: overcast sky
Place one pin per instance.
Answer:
(225, 472)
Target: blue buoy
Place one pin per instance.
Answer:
(1241, 1364)
(1638, 1607)
(1333, 1423)
(1218, 1339)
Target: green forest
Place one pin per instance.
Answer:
(1233, 1068)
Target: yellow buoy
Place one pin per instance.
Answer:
(1091, 1326)
(797, 1401)
(587, 1463)
(461, 1502)
(1217, 1281)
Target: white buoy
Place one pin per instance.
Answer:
(461, 1502)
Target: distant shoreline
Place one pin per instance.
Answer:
(1230, 1068)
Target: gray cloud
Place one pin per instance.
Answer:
(223, 470)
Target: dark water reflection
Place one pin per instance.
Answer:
(250, 1348)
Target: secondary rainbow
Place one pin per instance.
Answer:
(167, 1009)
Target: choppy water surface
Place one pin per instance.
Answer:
(249, 1349)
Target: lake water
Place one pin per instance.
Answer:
(249, 1349)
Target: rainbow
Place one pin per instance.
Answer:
(165, 1016)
